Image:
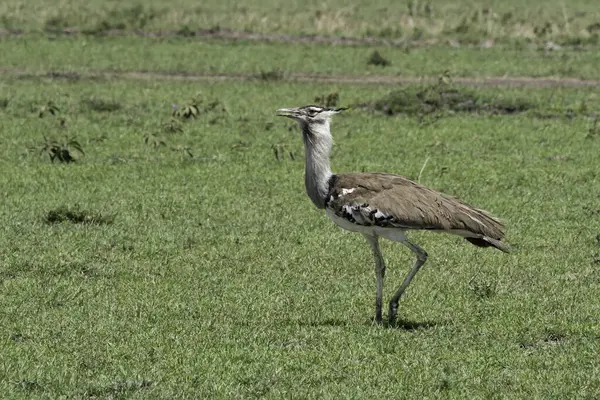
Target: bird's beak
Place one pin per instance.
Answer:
(288, 112)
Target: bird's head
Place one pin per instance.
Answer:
(309, 115)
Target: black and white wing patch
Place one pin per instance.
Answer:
(363, 214)
(345, 205)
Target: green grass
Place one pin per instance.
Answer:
(465, 20)
(180, 258)
(215, 277)
(191, 56)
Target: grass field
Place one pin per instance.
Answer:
(180, 257)
(180, 56)
(465, 20)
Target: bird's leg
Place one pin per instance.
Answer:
(421, 258)
(379, 273)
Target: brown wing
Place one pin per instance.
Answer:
(395, 201)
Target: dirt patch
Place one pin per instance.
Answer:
(299, 77)
(423, 100)
(68, 76)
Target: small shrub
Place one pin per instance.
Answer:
(103, 27)
(593, 28)
(329, 100)
(187, 112)
(280, 151)
(377, 59)
(101, 105)
(62, 151)
(4, 103)
(197, 107)
(184, 151)
(172, 126)
(594, 130)
(387, 33)
(56, 24)
(482, 288)
(463, 27)
(273, 75)
(136, 17)
(419, 9)
(48, 108)
(506, 18)
(68, 76)
(544, 30)
(440, 97)
(152, 139)
(186, 31)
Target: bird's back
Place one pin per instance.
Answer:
(388, 200)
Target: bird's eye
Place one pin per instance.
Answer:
(313, 111)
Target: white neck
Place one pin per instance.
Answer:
(317, 147)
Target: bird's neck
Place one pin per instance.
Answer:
(317, 173)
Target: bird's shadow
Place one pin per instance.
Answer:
(328, 322)
(403, 324)
(318, 322)
(406, 325)
(410, 326)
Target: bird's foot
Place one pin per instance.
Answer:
(377, 320)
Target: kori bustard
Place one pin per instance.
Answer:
(384, 205)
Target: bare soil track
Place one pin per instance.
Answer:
(297, 77)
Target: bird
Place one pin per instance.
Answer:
(382, 205)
